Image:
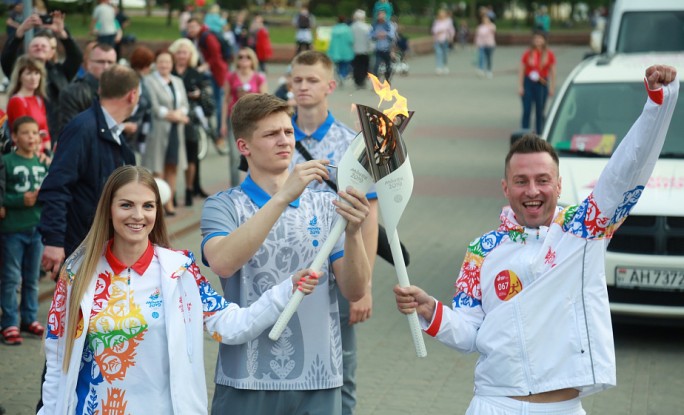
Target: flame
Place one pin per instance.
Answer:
(385, 93)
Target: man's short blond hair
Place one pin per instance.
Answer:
(313, 57)
(252, 108)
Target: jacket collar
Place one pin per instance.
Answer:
(140, 265)
(320, 132)
(259, 195)
(102, 126)
(509, 223)
(93, 82)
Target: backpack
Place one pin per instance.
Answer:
(226, 49)
(304, 22)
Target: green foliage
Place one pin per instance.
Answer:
(347, 7)
(77, 7)
(324, 10)
(233, 4)
(176, 4)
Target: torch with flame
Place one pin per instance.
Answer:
(352, 170)
(391, 170)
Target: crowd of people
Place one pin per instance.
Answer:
(95, 223)
(87, 120)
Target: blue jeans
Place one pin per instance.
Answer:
(343, 69)
(441, 53)
(218, 100)
(348, 357)
(21, 253)
(535, 93)
(485, 58)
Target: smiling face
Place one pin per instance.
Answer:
(164, 64)
(532, 186)
(133, 215)
(311, 84)
(245, 59)
(271, 145)
(182, 56)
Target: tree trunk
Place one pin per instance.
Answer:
(473, 11)
(169, 14)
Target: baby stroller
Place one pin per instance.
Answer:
(203, 129)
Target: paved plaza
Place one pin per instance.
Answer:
(456, 141)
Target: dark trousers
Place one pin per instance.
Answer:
(108, 39)
(535, 93)
(302, 46)
(360, 69)
(383, 56)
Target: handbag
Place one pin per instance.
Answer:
(384, 251)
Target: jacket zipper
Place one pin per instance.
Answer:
(584, 310)
(186, 319)
(523, 349)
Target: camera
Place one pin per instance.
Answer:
(46, 18)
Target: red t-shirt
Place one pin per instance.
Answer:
(33, 106)
(534, 60)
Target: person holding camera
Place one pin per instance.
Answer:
(41, 48)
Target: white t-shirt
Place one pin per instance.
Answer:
(105, 17)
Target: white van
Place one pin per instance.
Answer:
(637, 26)
(593, 111)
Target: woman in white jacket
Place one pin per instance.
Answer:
(125, 325)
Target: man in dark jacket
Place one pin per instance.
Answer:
(78, 95)
(43, 49)
(90, 148)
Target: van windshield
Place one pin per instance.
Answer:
(655, 31)
(593, 118)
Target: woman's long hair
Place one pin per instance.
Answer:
(543, 53)
(102, 231)
(25, 63)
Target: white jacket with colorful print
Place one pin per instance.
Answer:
(533, 302)
(190, 304)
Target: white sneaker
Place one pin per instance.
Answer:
(439, 71)
(490, 75)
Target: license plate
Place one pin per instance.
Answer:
(650, 279)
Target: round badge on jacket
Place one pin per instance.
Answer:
(507, 285)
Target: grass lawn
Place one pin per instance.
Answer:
(282, 32)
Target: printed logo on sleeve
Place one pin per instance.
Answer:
(507, 285)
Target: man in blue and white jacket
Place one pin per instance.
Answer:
(531, 296)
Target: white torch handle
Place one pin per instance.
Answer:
(316, 266)
(402, 276)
